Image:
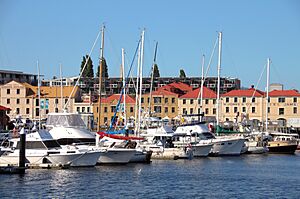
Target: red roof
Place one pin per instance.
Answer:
(129, 100)
(176, 86)
(244, 93)
(3, 108)
(207, 93)
(162, 92)
(285, 93)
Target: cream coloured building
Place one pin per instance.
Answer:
(22, 99)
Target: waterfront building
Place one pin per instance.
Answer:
(9, 75)
(190, 103)
(22, 99)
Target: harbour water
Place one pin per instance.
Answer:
(246, 176)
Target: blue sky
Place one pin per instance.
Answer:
(57, 31)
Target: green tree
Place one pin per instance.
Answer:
(88, 71)
(156, 71)
(182, 73)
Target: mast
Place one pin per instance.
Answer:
(141, 78)
(100, 76)
(219, 82)
(267, 90)
(137, 90)
(61, 87)
(124, 89)
(202, 84)
(39, 93)
(152, 77)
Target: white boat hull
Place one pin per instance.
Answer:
(227, 146)
(116, 156)
(201, 150)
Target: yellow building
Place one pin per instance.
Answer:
(22, 99)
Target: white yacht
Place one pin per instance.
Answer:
(222, 145)
(41, 148)
(69, 128)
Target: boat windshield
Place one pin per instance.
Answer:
(65, 120)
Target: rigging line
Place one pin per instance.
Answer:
(113, 48)
(255, 88)
(208, 67)
(122, 91)
(86, 61)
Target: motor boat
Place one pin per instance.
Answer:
(282, 143)
(41, 148)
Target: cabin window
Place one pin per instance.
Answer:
(281, 111)
(51, 144)
(32, 145)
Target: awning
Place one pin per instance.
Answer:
(3, 108)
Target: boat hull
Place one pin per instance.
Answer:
(116, 156)
(201, 150)
(224, 147)
(282, 148)
(141, 157)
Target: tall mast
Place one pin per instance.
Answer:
(61, 87)
(137, 90)
(267, 90)
(141, 77)
(202, 84)
(100, 76)
(39, 93)
(124, 89)
(219, 82)
(152, 77)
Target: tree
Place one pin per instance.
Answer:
(104, 69)
(182, 74)
(156, 71)
(88, 71)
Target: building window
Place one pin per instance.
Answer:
(88, 109)
(295, 99)
(244, 109)
(78, 109)
(131, 109)
(27, 101)
(112, 109)
(37, 112)
(37, 102)
(166, 100)
(191, 101)
(281, 99)
(27, 111)
(198, 110)
(199, 101)
(8, 91)
(206, 111)
(268, 109)
(244, 100)
(184, 111)
(253, 108)
(235, 109)
(148, 100)
(184, 101)
(17, 110)
(56, 110)
(105, 109)
(253, 99)
(105, 119)
(227, 99)
(83, 109)
(166, 109)
(47, 111)
(173, 100)
(18, 101)
(157, 109)
(157, 100)
(191, 110)
(173, 109)
(7, 101)
(142, 100)
(214, 101)
(227, 109)
(295, 110)
(18, 91)
(281, 111)
(206, 101)
(235, 99)
(56, 101)
(214, 111)
(66, 100)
